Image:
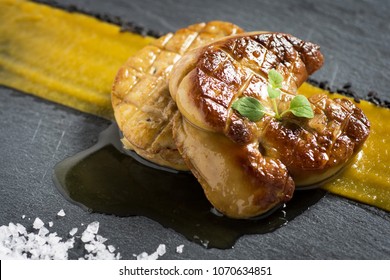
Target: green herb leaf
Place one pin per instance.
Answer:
(301, 107)
(249, 107)
(272, 92)
(275, 79)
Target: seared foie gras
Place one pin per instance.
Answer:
(247, 168)
(142, 104)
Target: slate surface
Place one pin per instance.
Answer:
(36, 134)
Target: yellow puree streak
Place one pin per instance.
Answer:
(72, 59)
(368, 179)
(65, 57)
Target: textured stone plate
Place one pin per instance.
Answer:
(36, 134)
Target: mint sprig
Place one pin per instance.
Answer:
(273, 92)
(275, 79)
(300, 107)
(249, 107)
(253, 109)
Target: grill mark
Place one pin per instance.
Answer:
(294, 59)
(230, 112)
(272, 50)
(244, 85)
(162, 49)
(199, 30)
(163, 128)
(259, 72)
(247, 68)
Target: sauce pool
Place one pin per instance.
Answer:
(103, 179)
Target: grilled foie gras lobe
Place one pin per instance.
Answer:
(143, 107)
(247, 168)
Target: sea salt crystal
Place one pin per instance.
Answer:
(73, 231)
(38, 223)
(24, 216)
(17, 243)
(40, 240)
(179, 249)
(143, 256)
(87, 237)
(101, 239)
(102, 255)
(53, 239)
(111, 248)
(61, 213)
(43, 231)
(95, 244)
(21, 229)
(161, 250)
(90, 232)
(51, 224)
(90, 247)
(93, 227)
(4, 232)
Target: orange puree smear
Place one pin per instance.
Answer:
(368, 179)
(72, 59)
(64, 57)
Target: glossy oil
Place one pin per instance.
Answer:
(103, 179)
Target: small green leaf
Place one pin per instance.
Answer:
(301, 107)
(249, 107)
(272, 92)
(275, 79)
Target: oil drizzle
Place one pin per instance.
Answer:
(103, 179)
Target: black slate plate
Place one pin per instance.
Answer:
(36, 134)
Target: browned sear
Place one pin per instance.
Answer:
(246, 168)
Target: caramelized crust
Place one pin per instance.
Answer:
(315, 149)
(140, 97)
(236, 179)
(219, 73)
(270, 156)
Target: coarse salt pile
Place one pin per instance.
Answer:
(94, 244)
(38, 243)
(161, 250)
(16, 242)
